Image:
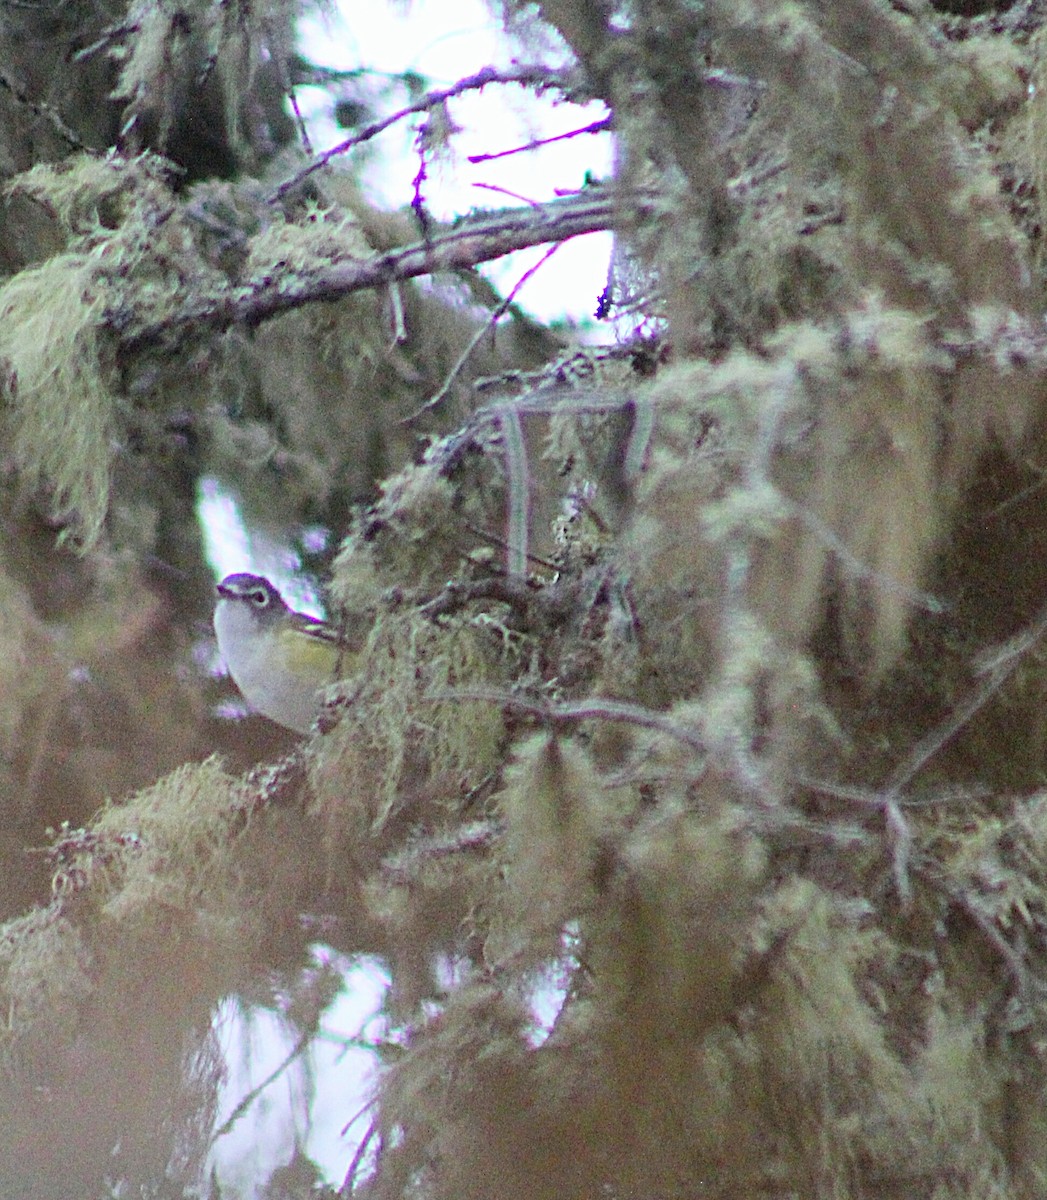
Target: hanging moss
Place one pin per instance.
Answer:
(61, 407)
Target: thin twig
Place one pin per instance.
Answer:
(595, 708)
(1022, 494)
(349, 1183)
(852, 565)
(1014, 962)
(289, 91)
(494, 540)
(869, 799)
(299, 1048)
(47, 113)
(929, 745)
(533, 76)
(601, 126)
(493, 187)
(996, 666)
(899, 834)
(1008, 653)
(997, 669)
(514, 592)
(418, 205)
(438, 397)
(408, 862)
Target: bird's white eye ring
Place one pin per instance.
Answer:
(259, 598)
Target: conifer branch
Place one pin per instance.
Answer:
(471, 241)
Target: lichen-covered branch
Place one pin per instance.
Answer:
(472, 241)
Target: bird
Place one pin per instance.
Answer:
(281, 660)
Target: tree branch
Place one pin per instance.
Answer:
(473, 240)
(536, 76)
(602, 126)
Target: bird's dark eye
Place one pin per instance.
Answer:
(259, 598)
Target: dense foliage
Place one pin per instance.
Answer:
(703, 675)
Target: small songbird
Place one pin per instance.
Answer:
(281, 660)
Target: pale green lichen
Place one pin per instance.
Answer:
(61, 407)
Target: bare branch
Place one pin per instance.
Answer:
(46, 113)
(995, 667)
(514, 592)
(532, 76)
(595, 708)
(493, 187)
(601, 126)
(407, 863)
(853, 566)
(287, 83)
(229, 1124)
(987, 926)
(349, 1183)
(437, 399)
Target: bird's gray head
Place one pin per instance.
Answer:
(253, 594)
